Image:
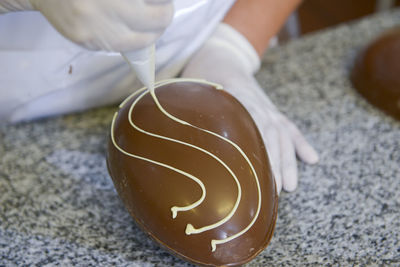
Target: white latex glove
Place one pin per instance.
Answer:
(112, 25)
(229, 59)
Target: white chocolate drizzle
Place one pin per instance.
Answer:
(215, 242)
(188, 175)
(190, 229)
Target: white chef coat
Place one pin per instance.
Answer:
(44, 74)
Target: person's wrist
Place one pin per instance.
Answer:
(233, 40)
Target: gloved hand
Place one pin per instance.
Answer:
(229, 59)
(112, 25)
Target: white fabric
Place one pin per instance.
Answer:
(118, 25)
(14, 5)
(229, 59)
(42, 73)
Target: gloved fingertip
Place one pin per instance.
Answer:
(310, 156)
(290, 187)
(289, 179)
(278, 189)
(278, 183)
(306, 152)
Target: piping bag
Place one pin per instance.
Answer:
(143, 64)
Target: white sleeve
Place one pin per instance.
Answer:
(44, 74)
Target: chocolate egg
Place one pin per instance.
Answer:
(192, 170)
(376, 72)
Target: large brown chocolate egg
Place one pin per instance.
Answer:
(193, 172)
(376, 73)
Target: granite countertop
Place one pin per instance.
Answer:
(58, 204)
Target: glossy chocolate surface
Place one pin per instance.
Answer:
(148, 165)
(376, 73)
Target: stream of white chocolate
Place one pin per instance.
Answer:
(190, 229)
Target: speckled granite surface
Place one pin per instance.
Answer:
(58, 205)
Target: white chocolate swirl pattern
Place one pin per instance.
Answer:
(190, 229)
